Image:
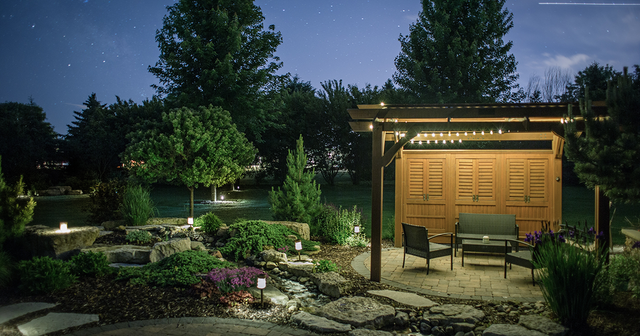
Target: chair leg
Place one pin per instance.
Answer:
(532, 278)
(403, 256)
(463, 257)
(452, 263)
(428, 266)
(505, 268)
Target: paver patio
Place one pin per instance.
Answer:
(481, 278)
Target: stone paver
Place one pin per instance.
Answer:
(10, 312)
(481, 278)
(410, 299)
(54, 322)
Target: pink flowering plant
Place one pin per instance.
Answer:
(234, 279)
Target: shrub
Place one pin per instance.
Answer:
(137, 206)
(176, 270)
(105, 200)
(6, 270)
(44, 275)
(139, 236)
(357, 240)
(339, 223)
(15, 212)
(90, 264)
(323, 266)
(624, 270)
(209, 223)
(570, 276)
(234, 279)
(251, 237)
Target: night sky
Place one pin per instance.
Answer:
(59, 52)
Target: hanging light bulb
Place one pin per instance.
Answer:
(412, 141)
(428, 142)
(451, 140)
(396, 133)
(491, 132)
(500, 131)
(474, 132)
(482, 132)
(465, 133)
(460, 140)
(449, 133)
(420, 142)
(436, 141)
(433, 135)
(418, 135)
(457, 133)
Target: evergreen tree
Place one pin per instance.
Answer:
(216, 52)
(15, 211)
(455, 53)
(594, 78)
(608, 152)
(299, 198)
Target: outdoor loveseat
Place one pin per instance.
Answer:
(471, 228)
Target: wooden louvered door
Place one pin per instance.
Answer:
(475, 184)
(425, 193)
(527, 181)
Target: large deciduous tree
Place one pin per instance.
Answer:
(216, 52)
(27, 141)
(455, 53)
(607, 153)
(190, 147)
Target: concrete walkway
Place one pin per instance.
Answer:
(481, 278)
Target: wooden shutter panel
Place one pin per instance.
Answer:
(416, 172)
(516, 180)
(486, 177)
(464, 179)
(435, 179)
(538, 180)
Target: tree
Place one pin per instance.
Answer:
(607, 153)
(27, 141)
(299, 198)
(190, 148)
(15, 211)
(216, 52)
(455, 53)
(593, 78)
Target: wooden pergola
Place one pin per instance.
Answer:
(399, 125)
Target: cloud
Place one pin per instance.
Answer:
(566, 62)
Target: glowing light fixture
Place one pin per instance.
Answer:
(381, 104)
(356, 229)
(482, 132)
(63, 228)
(371, 126)
(420, 142)
(433, 135)
(491, 132)
(190, 221)
(460, 140)
(451, 140)
(457, 133)
(465, 133)
(261, 285)
(440, 133)
(474, 132)
(298, 246)
(429, 141)
(500, 131)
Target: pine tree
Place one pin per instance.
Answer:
(299, 198)
(455, 53)
(15, 212)
(607, 153)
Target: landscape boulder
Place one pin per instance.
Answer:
(40, 241)
(542, 324)
(331, 283)
(112, 225)
(300, 228)
(449, 314)
(319, 324)
(164, 249)
(125, 254)
(167, 220)
(273, 256)
(509, 330)
(360, 312)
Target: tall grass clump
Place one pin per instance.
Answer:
(338, 224)
(137, 206)
(571, 275)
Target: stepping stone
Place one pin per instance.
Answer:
(270, 293)
(15, 310)
(360, 312)
(409, 299)
(54, 322)
(319, 324)
(368, 332)
(542, 324)
(509, 330)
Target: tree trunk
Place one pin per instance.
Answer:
(214, 193)
(191, 201)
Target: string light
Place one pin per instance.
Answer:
(449, 133)
(451, 140)
(491, 132)
(482, 132)
(500, 131)
(433, 135)
(465, 133)
(457, 133)
(429, 141)
(412, 141)
(440, 133)
(460, 140)
(436, 141)
(418, 135)
(420, 142)
(474, 132)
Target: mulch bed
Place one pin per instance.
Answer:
(116, 301)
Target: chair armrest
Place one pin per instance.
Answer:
(518, 242)
(440, 234)
(517, 231)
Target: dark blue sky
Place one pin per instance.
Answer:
(60, 51)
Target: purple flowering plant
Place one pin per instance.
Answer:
(234, 279)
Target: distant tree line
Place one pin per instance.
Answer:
(218, 56)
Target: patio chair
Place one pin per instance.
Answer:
(522, 258)
(417, 242)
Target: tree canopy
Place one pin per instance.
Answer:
(455, 53)
(27, 141)
(216, 52)
(190, 147)
(607, 153)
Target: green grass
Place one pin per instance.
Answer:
(578, 204)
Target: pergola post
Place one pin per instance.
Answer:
(377, 185)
